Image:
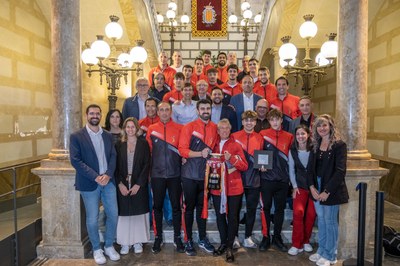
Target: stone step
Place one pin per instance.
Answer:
(213, 234)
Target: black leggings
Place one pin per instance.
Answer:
(159, 187)
(278, 192)
(193, 191)
(252, 198)
(228, 223)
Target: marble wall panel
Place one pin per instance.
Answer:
(395, 98)
(30, 73)
(377, 52)
(394, 150)
(29, 22)
(42, 52)
(4, 10)
(19, 43)
(230, 46)
(32, 123)
(376, 147)
(7, 124)
(385, 74)
(376, 100)
(388, 23)
(6, 67)
(15, 96)
(387, 124)
(395, 45)
(43, 146)
(43, 100)
(14, 151)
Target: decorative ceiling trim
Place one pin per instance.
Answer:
(152, 13)
(266, 14)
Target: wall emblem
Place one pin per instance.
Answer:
(209, 15)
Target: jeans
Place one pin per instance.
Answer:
(328, 229)
(108, 196)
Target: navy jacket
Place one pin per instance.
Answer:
(237, 103)
(230, 114)
(84, 160)
(131, 108)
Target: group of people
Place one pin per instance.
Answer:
(166, 133)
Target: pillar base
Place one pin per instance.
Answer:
(367, 171)
(64, 233)
(66, 251)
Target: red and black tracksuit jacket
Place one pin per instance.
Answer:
(163, 140)
(249, 142)
(279, 142)
(229, 91)
(196, 136)
(289, 107)
(146, 122)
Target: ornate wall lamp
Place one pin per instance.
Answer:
(101, 57)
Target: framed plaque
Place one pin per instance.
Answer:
(263, 158)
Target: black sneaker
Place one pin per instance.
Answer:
(158, 242)
(220, 250)
(229, 256)
(179, 245)
(189, 248)
(265, 244)
(278, 243)
(206, 245)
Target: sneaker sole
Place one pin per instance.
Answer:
(176, 248)
(190, 254)
(203, 248)
(155, 251)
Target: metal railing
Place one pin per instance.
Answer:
(14, 191)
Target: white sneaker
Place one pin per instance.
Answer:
(138, 248)
(323, 262)
(125, 249)
(236, 243)
(294, 251)
(110, 251)
(99, 257)
(308, 248)
(314, 257)
(248, 243)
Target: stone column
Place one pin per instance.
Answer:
(63, 227)
(351, 118)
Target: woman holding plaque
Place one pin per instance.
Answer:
(328, 186)
(132, 173)
(300, 169)
(227, 195)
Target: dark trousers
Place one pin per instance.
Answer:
(193, 190)
(252, 198)
(159, 187)
(277, 191)
(227, 223)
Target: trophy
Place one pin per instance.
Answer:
(214, 179)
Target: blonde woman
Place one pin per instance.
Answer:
(132, 173)
(328, 186)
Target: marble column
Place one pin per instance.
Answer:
(351, 119)
(63, 226)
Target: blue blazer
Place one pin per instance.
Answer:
(131, 107)
(237, 103)
(230, 114)
(84, 160)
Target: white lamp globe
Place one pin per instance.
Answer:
(125, 60)
(329, 49)
(257, 18)
(308, 29)
(114, 30)
(321, 60)
(232, 19)
(243, 22)
(89, 58)
(172, 6)
(138, 54)
(100, 48)
(185, 19)
(288, 51)
(283, 63)
(160, 18)
(245, 5)
(247, 14)
(171, 14)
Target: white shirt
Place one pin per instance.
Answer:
(98, 144)
(248, 102)
(142, 108)
(221, 144)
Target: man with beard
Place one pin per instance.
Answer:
(231, 87)
(164, 68)
(151, 118)
(196, 142)
(246, 100)
(222, 73)
(263, 86)
(220, 111)
(93, 156)
(160, 88)
(287, 103)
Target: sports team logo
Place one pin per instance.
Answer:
(209, 16)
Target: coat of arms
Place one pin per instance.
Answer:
(209, 15)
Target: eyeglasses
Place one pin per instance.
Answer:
(142, 85)
(262, 107)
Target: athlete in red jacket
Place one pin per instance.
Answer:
(196, 143)
(227, 200)
(151, 110)
(275, 181)
(163, 139)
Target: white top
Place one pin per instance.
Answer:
(303, 157)
(98, 144)
(248, 102)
